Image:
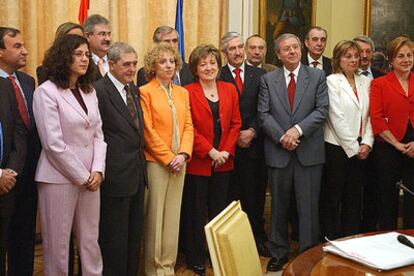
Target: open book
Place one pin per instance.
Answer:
(381, 252)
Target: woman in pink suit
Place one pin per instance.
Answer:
(216, 119)
(72, 161)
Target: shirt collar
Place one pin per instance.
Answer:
(96, 59)
(4, 74)
(118, 85)
(287, 72)
(310, 59)
(248, 63)
(231, 67)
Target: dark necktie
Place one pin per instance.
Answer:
(131, 105)
(315, 63)
(365, 73)
(239, 82)
(291, 90)
(21, 103)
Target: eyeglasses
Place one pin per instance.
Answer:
(80, 54)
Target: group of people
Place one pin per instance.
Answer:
(115, 163)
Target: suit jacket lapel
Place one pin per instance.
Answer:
(281, 89)
(199, 94)
(117, 101)
(227, 76)
(72, 101)
(301, 85)
(348, 89)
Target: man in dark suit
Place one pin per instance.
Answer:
(293, 106)
(122, 193)
(315, 42)
(248, 181)
(169, 35)
(370, 200)
(13, 56)
(12, 157)
(256, 53)
(98, 32)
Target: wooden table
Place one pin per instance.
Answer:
(315, 262)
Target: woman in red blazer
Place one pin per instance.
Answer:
(216, 119)
(392, 118)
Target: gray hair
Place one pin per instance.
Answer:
(114, 52)
(156, 37)
(92, 21)
(283, 37)
(224, 42)
(365, 39)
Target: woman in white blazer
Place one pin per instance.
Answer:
(348, 142)
(72, 162)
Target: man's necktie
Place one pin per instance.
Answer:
(21, 103)
(101, 67)
(291, 90)
(239, 82)
(365, 73)
(131, 105)
(315, 63)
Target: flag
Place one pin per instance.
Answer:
(179, 26)
(83, 11)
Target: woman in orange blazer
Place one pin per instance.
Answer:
(392, 118)
(216, 119)
(168, 135)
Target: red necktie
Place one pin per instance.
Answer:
(291, 89)
(21, 104)
(315, 63)
(239, 82)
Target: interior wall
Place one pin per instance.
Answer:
(342, 19)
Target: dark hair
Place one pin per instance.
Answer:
(315, 28)
(200, 52)
(58, 59)
(7, 31)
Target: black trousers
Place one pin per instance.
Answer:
(248, 184)
(341, 193)
(203, 198)
(393, 166)
(120, 233)
(370, 196)
(20, 254)
(6, 209)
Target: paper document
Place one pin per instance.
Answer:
(382, 252)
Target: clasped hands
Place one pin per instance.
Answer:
(290, 140)
(177, 163)
(218, 157)
(7, 180)
(94, 181)
(407, 149)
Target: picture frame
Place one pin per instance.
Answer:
(385, 20)
(280, 16)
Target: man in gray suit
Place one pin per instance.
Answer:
(293, 106)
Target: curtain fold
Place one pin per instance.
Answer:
(132, 21)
